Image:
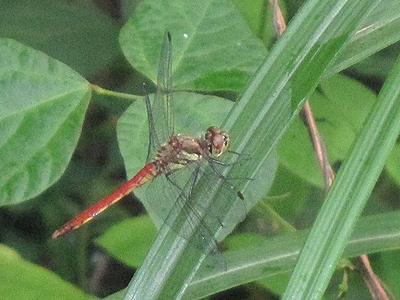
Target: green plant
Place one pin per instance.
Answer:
(214, 50)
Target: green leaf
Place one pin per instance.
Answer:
(56, 28)
(41, 114)
(387, 273)
(258, 16)
(23, 280)
(230, 49)
(340, 106)
(133, 248)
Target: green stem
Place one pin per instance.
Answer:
(101, 91)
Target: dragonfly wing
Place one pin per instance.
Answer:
(176, 209)
(195, 222)
(188, 219)
(159, 110)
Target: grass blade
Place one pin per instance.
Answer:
(348, 195)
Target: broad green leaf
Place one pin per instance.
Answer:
(43, 104)
(21, 279)
(288, 197)
(384, 263)
(340, 106)
(230, 49)
(57, 28)
(258, 16)
(133, 247)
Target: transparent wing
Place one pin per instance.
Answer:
(190, 220)
(159, 110)
(195, 222)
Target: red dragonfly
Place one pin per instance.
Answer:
(178, 152)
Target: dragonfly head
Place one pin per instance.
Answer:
(218, 141)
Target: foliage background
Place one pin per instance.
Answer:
(84, 36)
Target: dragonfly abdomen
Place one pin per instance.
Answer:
(147, 173)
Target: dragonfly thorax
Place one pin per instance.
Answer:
(181, 150)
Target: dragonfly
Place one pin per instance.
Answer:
(178, 152)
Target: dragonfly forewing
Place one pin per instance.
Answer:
(160, 116)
